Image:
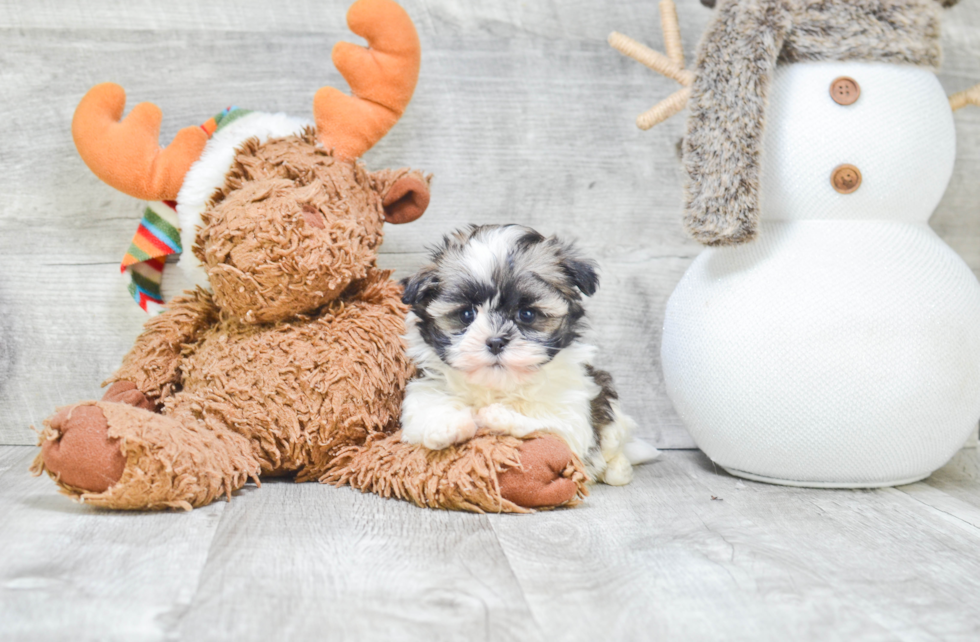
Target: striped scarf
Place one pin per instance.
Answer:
(158, 236)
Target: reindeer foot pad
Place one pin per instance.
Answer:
(120, 456)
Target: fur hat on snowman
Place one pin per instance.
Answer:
(728, 91)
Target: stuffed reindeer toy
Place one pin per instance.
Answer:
(827, 336)
(287, 359)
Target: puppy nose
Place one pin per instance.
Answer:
(496, 344)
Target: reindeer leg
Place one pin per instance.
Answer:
(490, 473)
(123, 456)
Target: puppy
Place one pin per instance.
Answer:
(495, 329)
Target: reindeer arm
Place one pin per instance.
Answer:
(153, 363)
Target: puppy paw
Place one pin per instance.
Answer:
(457, 427)
(496, 416)
(619, 471)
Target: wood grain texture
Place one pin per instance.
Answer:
(69, 571)
(685, 552)
(307, 561)
(688, 553)
(522, 112)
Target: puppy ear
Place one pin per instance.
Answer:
(583, 272)
(420, 286)
(584, 275)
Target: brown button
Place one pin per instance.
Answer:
(845, 91)
(846, 179)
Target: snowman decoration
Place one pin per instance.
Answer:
(827, 337)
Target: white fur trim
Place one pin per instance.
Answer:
(208, 174)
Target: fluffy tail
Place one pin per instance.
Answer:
(640, 452)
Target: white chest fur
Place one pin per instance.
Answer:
(559, 394)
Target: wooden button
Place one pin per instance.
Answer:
(845, 91)
(846, 179)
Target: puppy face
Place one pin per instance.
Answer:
(498, 302)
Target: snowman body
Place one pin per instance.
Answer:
(842, 347)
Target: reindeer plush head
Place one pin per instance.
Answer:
(282, 217)
(727, 92)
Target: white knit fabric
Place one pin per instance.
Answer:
(900, 134)
(841, 348)
(828, 352)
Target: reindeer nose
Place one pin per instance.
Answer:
(497, 344)
(312, 216)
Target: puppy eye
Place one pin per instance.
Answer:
(527, 315)
(467, 315)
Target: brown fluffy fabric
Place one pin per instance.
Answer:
(300, 390)
(904, 32)
(153, 363)
(296, 357)
(319, 229)
(735, 64)
(171, 462)
(463, 477)
(297, 391)
(298, 352)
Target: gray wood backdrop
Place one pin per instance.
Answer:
(522, 112)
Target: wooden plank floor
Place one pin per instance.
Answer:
(684, 553)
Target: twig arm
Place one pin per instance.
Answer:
(672, 31)
(670, 66)
(652, 59)
(663, 110)
(961, 99)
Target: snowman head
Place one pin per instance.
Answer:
(855, 140)
(739, 68)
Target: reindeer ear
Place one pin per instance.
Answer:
(406, 200)
(404, 193)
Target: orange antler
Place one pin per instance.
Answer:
(381, 77)
(671, 65)
(127, 155)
